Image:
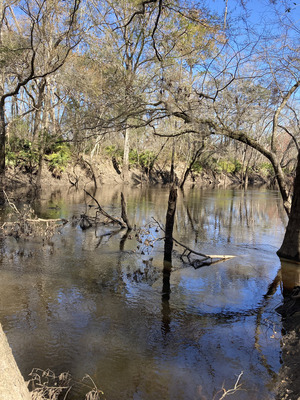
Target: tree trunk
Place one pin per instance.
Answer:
(290, 248)
(125, 167)
(170, 224)
(44, 129)
(189, 168)
(12, 384)
(172, 169)
(124, 212)
(2, 154)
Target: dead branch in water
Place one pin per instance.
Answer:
(208, 259)
(229, 392)
(104, 213)
(124, 212)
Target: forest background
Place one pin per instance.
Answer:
(152, 85)
(175, 89)
(153, 91)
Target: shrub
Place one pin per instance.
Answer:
(231, 167)
(59, 158)
(144, 159)
(113, 151)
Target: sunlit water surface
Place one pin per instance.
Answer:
(94, 304)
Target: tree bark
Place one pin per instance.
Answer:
(189, 168)
(290, 248)
(125, 167)
(124, 212)
(172, 169)
(12, 384)
(170, 224)
(2, 153)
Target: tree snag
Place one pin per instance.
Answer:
(170, 224)
(124, 212)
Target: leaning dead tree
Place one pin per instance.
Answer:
(103, 217)
(188, 255)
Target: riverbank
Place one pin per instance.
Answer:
(84, 173)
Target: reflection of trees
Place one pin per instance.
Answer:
(272, 288)
(166, 290)
(218, 215)
(91, 287)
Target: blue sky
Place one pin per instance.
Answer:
(259, 11)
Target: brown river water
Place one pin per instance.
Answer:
(93, 301)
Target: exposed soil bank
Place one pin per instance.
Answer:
(84, 173)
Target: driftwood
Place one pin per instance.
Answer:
(207, 259)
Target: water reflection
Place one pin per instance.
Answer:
(166, 290)
(107, 308)
(290, 276)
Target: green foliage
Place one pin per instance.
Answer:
(208, 163)
(113, 151)
(266, 169)
(228, 166)
(21, 154)
(231, 167)
(197, 167)
(59, 157)
(144, 159)
(19, 129)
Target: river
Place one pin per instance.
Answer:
(92, 302)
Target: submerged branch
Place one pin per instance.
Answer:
(208, 258)
(104, 213)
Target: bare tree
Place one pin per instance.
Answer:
(27, 47)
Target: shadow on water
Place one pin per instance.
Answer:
(166, 290)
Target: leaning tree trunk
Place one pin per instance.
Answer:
(12, 384)
(189, 168)
(290, 248)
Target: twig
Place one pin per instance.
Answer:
(237, 386)
(11, 204)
